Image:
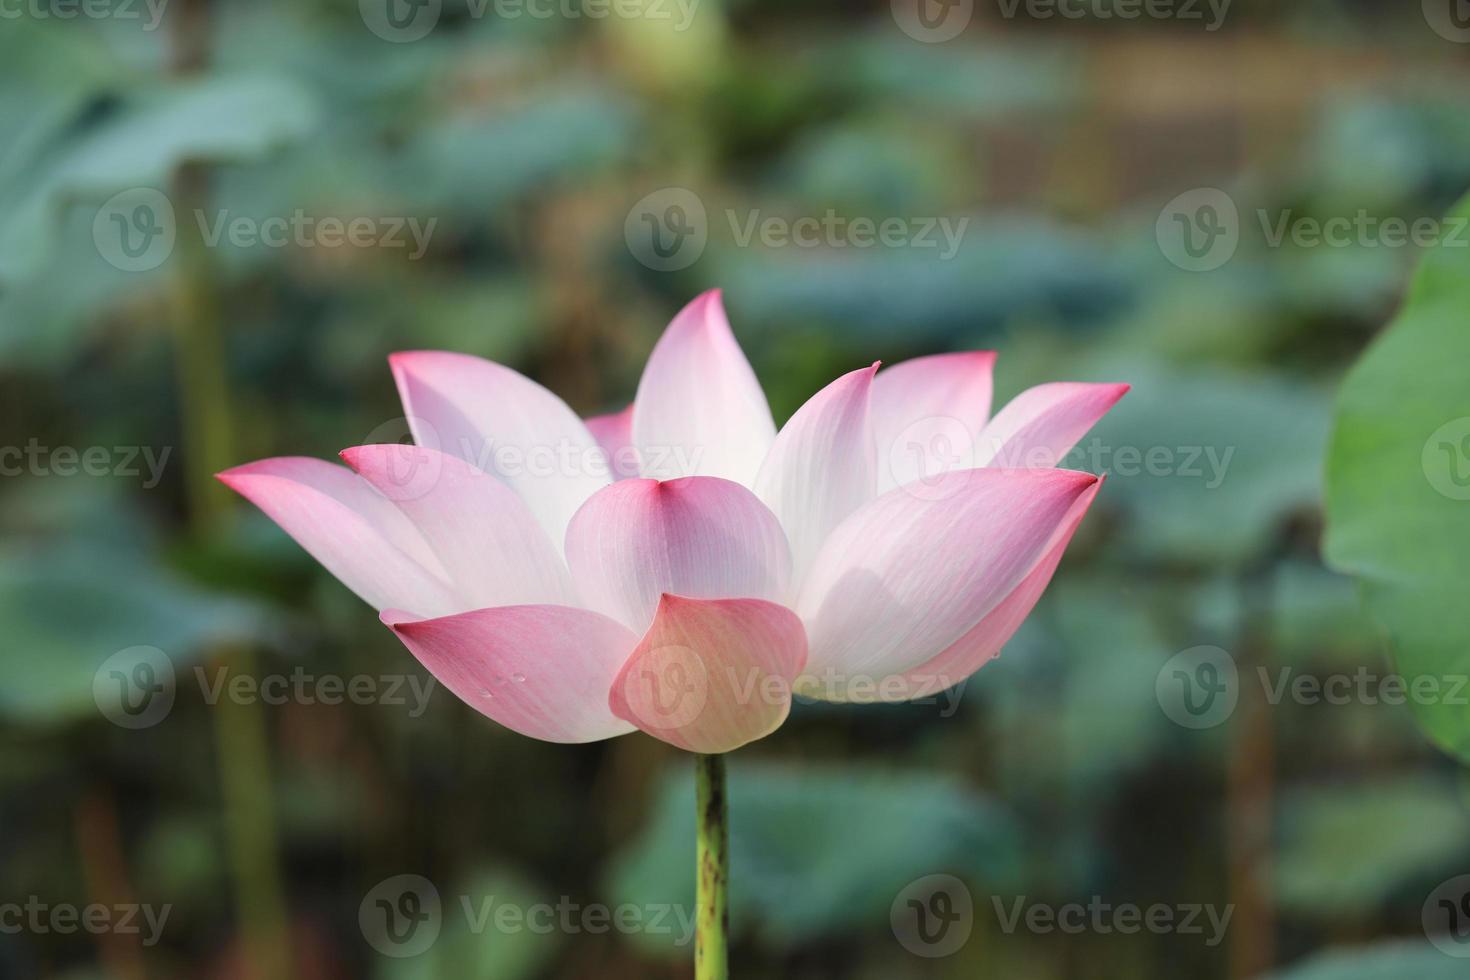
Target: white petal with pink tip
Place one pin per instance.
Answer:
(543, 671)
(822, 466)
(979, 646)
(681, 567)
(927, 413)
(700, 410)
(1041, 425)
(491, 547)
(355, 532)
(503, 423)
(905, 577)
(700, 537)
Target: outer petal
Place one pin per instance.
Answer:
(700, 410)
(1042, 424)
(543, 671)
(905, 577)
(503, 423)
(614, 433)
(927, 413)
(979, 646)
(821, 467)
(710, 676)
(700, 537)
(484, 534)
(359, 536)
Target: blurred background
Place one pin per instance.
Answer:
(217, 219)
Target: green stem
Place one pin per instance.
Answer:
(712, 852)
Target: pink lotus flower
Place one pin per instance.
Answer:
(571, 600)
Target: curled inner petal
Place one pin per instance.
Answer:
(712, 675)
